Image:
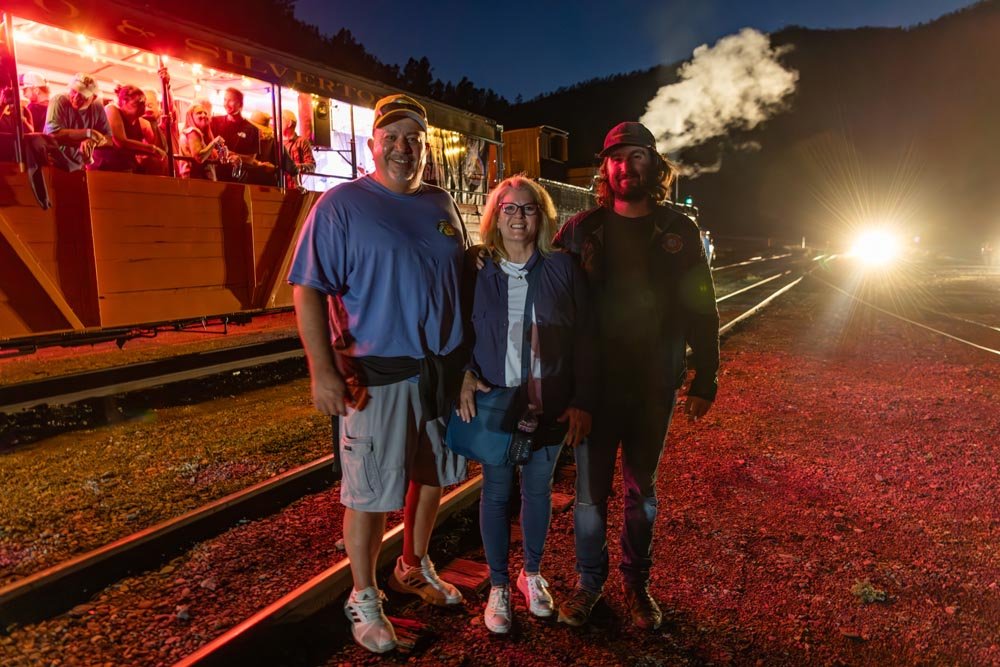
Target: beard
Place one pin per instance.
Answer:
(635, 190)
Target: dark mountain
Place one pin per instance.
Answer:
(885, 124)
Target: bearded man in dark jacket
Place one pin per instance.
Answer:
(654, 296)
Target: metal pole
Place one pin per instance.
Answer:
(354, 146)
(168, 104)
(279, 138)
(10, 74)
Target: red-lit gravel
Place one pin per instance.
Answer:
(847, 457)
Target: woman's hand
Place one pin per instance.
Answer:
(579, 425)
(467, 396)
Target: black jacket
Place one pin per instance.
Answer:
(687, 308)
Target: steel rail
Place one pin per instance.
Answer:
(233, 646)
(60, 587)
(67, 389)
(752, 260)
(753, 286)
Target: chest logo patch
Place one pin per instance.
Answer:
(445, 228)
(672, 243)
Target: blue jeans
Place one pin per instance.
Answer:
(536, 510)
(640, 426)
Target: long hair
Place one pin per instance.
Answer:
(189, 122)
(549, 224)
(658, 188)
(126, 92)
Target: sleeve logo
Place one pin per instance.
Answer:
(672, 243)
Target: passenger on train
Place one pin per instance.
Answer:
(297, 147)
(199, 144)
(35, 90)
(36, 147)
(262, 121)
(8, 115)
(243, 141)
(135, 148)
(77, 123)
(157, 119)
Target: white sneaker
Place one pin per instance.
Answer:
(497, 615)
(423, 581)
(536, 594)
(369, 625)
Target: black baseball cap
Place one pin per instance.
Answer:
(628, 134)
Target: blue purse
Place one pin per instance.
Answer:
(488, 437)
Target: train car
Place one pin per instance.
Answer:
(92, 254)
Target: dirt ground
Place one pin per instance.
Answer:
(837, 506)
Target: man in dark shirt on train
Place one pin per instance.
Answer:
(242, 140)
(654, 295)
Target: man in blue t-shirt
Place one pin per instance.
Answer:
(78, 122)
(377, 281)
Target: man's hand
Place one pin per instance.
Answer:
(467, 396)
(332, 396)
(481, 258)
(579, 425)
(696, 407)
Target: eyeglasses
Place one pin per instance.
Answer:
(511, 209)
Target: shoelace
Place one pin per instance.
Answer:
(537, 586)
(500, 600)
(368, 609)
(430, 575)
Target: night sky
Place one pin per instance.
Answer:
(529, 48)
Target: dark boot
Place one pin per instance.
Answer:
(575, 610)
(645, 612)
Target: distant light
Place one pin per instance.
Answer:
(689, 201)
(876, 247)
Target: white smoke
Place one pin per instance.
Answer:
(735, 84)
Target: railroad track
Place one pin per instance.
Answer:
(58, 588)
(73, 388)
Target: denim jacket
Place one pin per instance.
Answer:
(565, 329)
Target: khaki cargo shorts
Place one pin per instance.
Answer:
(388, 444)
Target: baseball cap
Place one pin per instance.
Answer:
(394, 107)
(33, 79)
(628, 134)
(84, 84)
(260, 118)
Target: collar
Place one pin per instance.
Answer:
(491, 268)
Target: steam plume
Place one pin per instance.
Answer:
(735, 84)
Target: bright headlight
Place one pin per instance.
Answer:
(876, 247)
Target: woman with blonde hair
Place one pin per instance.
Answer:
(198, 144)
(531, 328)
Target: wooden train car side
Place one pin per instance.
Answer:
(118, 250)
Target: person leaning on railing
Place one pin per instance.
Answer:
(78, 124)
(135, 146)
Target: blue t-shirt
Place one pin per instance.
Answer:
(392, 264)
(62, 116)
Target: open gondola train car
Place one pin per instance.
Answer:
(117, 253)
